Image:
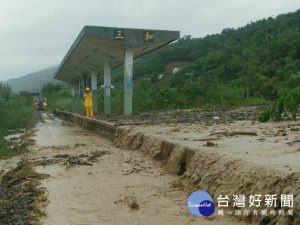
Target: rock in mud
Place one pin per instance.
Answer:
(210, 144)
(131, 202)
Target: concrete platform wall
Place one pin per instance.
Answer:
(103, 128)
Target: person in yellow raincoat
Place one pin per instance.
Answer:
(88, 102)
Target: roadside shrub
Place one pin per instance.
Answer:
(293, 102)
(265, 116)
(15, 112)
(283, 108)
(278, 107)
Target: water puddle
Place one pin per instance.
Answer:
(49, 169)
(13, 137)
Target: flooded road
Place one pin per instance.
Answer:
(91, 181)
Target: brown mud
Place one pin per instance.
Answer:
(91, 180)
(120, 187)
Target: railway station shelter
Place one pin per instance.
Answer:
(98, 50)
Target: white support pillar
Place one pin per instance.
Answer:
(128, 73)
(84, 82)
(78, 96)
(73, 96)
(107, 88)
(94, 89)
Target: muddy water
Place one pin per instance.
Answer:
(95, 195)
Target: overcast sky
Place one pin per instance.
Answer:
(36, 34)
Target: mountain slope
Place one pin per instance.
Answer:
(268, 47)
(33, 82)
(237, 66)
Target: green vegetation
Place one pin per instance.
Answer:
(283, 108)
(15, 112)
(236, 67)
(58, 96)
(254, 64)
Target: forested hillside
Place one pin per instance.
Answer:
(33, 82)
(238, 66)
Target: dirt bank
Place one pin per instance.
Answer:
(232, 158)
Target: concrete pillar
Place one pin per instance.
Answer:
(107, 88)
(128, 72)
(94, 89)
(84, 82)
(73, 96)
(78, 96)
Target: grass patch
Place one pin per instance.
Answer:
(60, 103)
(5, 151)
(15, 113)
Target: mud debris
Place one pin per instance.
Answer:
(133, 170)
(210, 144)
(66, 123)
(21, 200)
(131, 202)
(292, 142)
(194, 116)
(79, 145)
(235, 133)
(72, 160)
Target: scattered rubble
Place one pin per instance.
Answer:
(71, 160)
(195, 116)
(22, 202)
